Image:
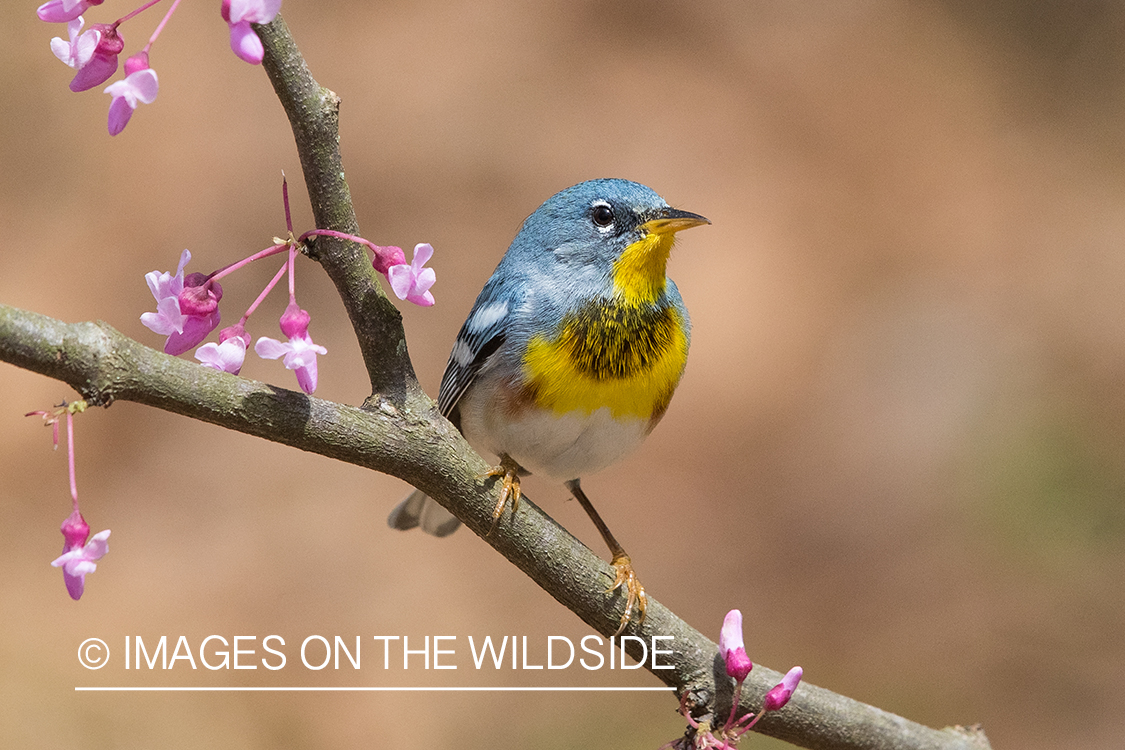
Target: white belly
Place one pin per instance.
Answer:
(562, 447)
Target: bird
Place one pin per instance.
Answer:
(571, 353)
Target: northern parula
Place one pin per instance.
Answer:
(571, 352)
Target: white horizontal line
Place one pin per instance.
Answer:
(381, 689)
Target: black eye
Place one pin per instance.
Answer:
(602, 215)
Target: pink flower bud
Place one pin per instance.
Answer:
(136, 62)
(75, 531)
(387, 256)
(235, 331)
(111, 42)
(199, 297)
(295, 322)
(738, 664)
(780, 694)
(731, 647)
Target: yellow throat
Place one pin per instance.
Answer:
(624, 353)
(640, 273)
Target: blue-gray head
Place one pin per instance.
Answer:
(608, 227)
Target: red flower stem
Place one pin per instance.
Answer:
(262, 296)
(292, 273)
(227, 270)
(337, 235)
(129, 15)
(70, 457)
(160, 27)
(734, 703)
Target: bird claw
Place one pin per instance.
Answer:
(509, 489)
(624, 577)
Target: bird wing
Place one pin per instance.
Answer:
(482, 334)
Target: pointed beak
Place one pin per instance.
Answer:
(671, 220)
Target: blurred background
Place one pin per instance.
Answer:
(897, 446)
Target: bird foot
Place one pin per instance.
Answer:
(624, 577)
(509, 488)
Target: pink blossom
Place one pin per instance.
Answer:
(412, 283)
(195, 329)
(299, 352)
(93, 54)
(139, 86)
(732, 648)
(229, 354)
(712, 736)
(63, 11)
(183, 330)
(780, 694)
(164, 286)
(78, 51)
(78, 557)
(103, 64)
(239, 14)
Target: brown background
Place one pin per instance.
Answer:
(897, 447)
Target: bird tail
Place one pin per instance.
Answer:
(419, 510)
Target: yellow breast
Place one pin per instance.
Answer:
(609, 354)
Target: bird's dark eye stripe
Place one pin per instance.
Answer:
(602, 215)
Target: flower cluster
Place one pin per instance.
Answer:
(703, 735)
(80, 553)
(93, 53)
(187, 306)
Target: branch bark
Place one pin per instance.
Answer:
(399, 432)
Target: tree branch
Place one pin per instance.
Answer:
(313, 113)
(104, 365)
